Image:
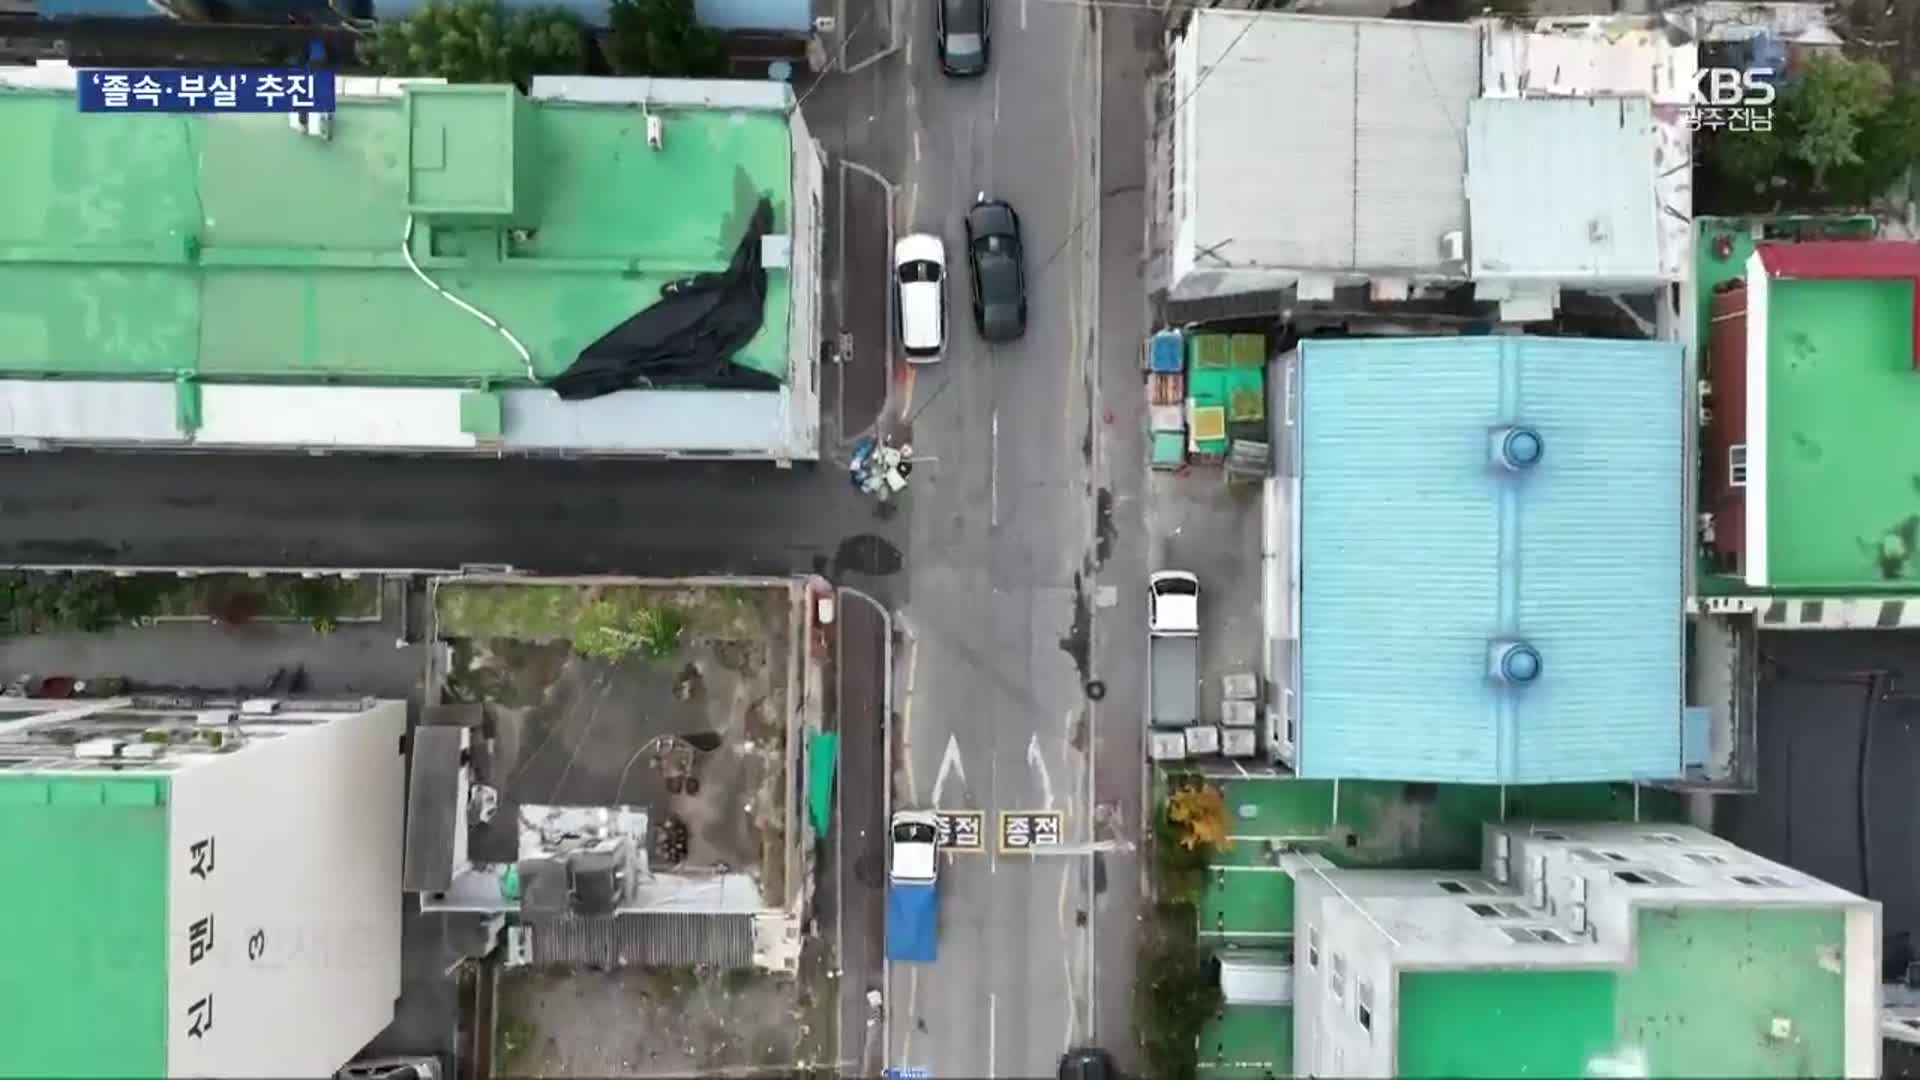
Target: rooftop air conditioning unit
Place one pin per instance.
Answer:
(260, 706)
(213, 718)
(143, 751)
(97, 749)
(656, 133)
(1707, 534)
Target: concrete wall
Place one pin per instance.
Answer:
(300, 887)
(1280, 555)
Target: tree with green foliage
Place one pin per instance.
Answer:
(470, 41)
(663, 38)
(1842, 134)
(1178, 992)
(1830, 105)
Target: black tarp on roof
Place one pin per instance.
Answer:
(688, 336)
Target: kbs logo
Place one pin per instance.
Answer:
(1731, 98)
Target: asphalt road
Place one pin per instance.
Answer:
(1003, 569)
(75, 507)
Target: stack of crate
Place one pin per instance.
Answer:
(1166, 393)
(1240, 715)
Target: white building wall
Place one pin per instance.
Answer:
(1382, 922)
(300, 884)
(348, 417)
(1757, 304)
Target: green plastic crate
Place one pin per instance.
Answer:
(1169, 449)
(1247, 351)
(1246, 395)
(1209, 351)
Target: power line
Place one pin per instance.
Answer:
(1205, 73)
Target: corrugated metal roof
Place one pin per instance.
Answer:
(433, 809)
(1371, 183)
(1416, 553)
(1563, 189)
(642, 940)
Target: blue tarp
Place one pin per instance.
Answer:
(913, 922)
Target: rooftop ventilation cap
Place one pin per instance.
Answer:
(1513, 662)
(1515, 448)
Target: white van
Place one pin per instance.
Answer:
(920, 281)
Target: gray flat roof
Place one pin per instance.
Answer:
(1371, 171)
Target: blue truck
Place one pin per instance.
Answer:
(913, 888)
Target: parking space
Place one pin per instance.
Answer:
(1252, 1041)
(1201, 524)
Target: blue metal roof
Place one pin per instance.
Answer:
(1419, 552)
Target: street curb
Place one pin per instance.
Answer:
(1098, 24)
(893, 43)
(886, 815)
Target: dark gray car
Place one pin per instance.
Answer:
(961, 34)
(998, 262)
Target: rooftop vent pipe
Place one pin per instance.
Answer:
(1515, 448)
(1514, 663)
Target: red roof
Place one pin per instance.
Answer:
(1849, 260)
(1860, 260)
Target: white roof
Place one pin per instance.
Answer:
(915, 862)
(1371, 184)
(1563, 190)
(922, 325)
(1594, 55)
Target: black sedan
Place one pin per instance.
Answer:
(995, 256)
(962, 36)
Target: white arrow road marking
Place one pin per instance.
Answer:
(949, 763)
(1039, 762)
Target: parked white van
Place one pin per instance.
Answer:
(920, 278)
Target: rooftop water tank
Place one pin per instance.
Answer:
(1515, 448)
(1515, 663)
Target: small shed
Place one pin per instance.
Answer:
(1256, 976)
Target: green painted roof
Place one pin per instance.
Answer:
(1843, 468)
(84, 988)
(1700, 1000)
(231, 247)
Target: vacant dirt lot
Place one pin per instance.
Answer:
(661, 1024)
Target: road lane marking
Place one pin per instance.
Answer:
(1039, 762)
(993, 472)
(1030, 832)
(913, 999)
(962, 832)
(906, 719)
(949, 764)
(1066, 957)
(916, 145)
(1023, 14)
(996, 93)
(993, 1032)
